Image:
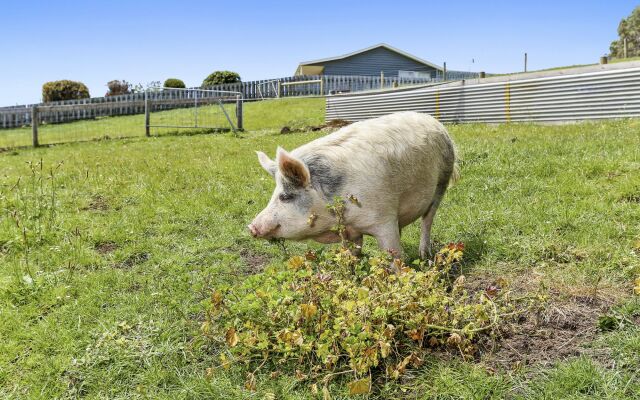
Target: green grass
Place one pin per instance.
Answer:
(108, 301)
(258, 116)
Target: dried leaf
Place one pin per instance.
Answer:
(216, 298)
(312, 219)
(325, 393)
(385, 348)
(492, 291)
(232, 337)
(250, 383)
(353, 199)
(361, 386)
(454, 339)
(296, 262)
(308, 310)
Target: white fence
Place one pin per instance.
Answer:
(129, 104)
(595, 92)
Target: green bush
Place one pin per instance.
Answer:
(330, 313)
(64, 90)
(220, 77)
(174, 83)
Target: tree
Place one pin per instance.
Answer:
(117, 87)
(220, 77)
(629, 29)
(64, 90)
(174, 83)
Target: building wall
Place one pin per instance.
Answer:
(372, 62)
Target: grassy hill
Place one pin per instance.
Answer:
(109, 251)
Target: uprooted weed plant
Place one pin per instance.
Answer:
(362, 320)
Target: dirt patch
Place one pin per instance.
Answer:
(631, 198)
(558, 332)
(332, 124)
(255, 262)
(105, 247)
(133, 259)
(328, 126)
(97, 203)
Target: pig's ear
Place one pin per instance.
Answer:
(292, 168)
(268, 164)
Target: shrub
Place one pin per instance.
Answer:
(174, 83)
(117, 87)
(330, 313)
(64, 90)
(220, 77)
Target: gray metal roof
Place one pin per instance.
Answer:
(383, 45)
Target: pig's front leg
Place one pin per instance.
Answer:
(357, 245)
(388, 237)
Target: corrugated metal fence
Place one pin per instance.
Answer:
(17, 116)
(597, 92)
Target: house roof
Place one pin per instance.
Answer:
(380, 45)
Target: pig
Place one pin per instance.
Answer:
(398, 167)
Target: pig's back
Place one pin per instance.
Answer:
(397, 141)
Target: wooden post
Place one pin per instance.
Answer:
(444, 71)
(239, 112)
(34, 126)
(624, 48)
(147, 111)
(604, 60)
(483, 74)
(525, 62)
(321, 85)
(381, 79)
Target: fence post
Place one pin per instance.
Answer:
(278, 94)
(146, 115)
(34, 125)
(239, 112)
(321, 85)
(381, 79)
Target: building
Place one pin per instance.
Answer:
(371, 61)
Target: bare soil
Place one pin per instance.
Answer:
(97, 203)
(106, 247)
(255, 262)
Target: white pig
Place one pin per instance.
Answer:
(398, 167)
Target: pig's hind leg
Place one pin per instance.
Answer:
(427, 221)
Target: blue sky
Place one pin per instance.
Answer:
(143, 41)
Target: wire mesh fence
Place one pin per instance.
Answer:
(163, 111)
(171, 111)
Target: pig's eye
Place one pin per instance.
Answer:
(286, 197)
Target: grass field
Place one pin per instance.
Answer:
(109, 251)
(258, 116)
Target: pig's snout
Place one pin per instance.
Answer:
(262, 232)
(253, 230)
